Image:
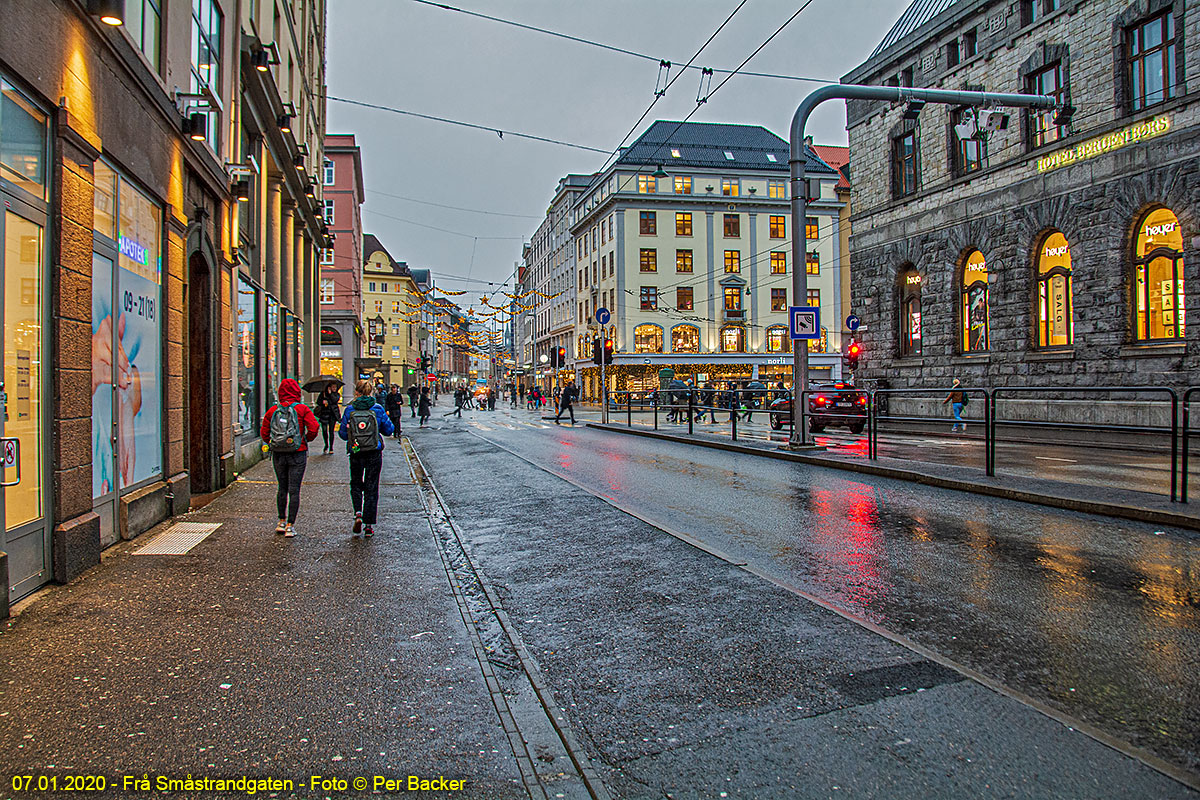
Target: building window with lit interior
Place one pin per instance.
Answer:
(1048, 81)
(683, 184)
(779, 299)
(777, 190)
(1158, 277)
(910, 313)
(683, 223)
(733, 260)
(647, 225)
(733, 298)
(649, 298)
(733, 226)
(904, 164)
(778, 263)
(683, 298)
(647, 339)
(648, 259)
(647, 184)
(778, 227)
(733, 339)
(975, 304)
(326, 255)
(812, 263)
(1151, 56)
(731, 187)
(814, 298)
(326, 290)
(777, 339)
(683, 260)
(1054, 327)
(811, 228)
(685, 339)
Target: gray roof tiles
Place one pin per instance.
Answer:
(916, 15)
(704, 144)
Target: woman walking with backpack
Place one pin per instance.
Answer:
(423, 405)
(327, 413)
(287, 428)
(364, 424)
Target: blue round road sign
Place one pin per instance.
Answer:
(852, 322)
(602, 316)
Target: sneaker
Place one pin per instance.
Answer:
(357, 523)
(281, 526)
(289, 532)
(368, 531)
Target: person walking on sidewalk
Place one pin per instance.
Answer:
(287, 428)
(460, 397)
(363, 427)
(414, 394)
(958, 401)
(566, 398)
(394, 406)
(423, 405)
(328, 412)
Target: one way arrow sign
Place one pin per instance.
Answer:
(804, 322)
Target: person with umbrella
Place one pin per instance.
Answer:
(327, 410)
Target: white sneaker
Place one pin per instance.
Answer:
(289, 532)
(281, 526)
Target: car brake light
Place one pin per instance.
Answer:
(862, 401)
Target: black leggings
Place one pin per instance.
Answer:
(327, 432)
(289, 471)
(364, 483)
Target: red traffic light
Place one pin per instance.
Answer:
(855, 349)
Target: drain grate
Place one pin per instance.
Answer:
(178, 539)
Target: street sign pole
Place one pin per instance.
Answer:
(797, 161)
(603, 381)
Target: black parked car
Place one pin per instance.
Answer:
(829, 405)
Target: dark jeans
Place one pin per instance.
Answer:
(364, 483)
(327, 432)
(568, 408)
(397, 417)
(289, 471)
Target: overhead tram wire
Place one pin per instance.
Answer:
(444, 230)
(452, 208)
(613, 48)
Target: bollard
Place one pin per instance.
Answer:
(655, 405)
(733, 413)
(691, 410)
(629, 409)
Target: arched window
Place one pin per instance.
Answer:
(685, 339)
(975, 304)
(733, 339)
(647, 339)
(1158, 277)
(777, 339)
(1054, 292)
(910, 312)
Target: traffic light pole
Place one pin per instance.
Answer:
(603, 382)
(797, 161)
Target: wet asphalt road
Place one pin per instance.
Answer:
(1096, 617)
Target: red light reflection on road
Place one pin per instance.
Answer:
(849, 544)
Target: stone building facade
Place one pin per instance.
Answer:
(1059, 250)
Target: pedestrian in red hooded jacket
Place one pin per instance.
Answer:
(287, 428)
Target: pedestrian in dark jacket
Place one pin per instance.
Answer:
(328, 412)
(566, 398)
(460, 397)
(394, 405)
(423, 404)
(366, 460)
(413, 395)
(291, 458)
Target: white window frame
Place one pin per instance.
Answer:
(327, 291)
(330, 172)
(329, 207)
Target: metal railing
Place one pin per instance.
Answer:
(690, 405)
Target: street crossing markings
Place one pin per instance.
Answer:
(1051, 458)
(178, 539)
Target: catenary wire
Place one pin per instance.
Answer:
(452, 208)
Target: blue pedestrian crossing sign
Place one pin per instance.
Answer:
(804, 322)
(602, 316)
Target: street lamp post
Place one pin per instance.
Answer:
(797, 161)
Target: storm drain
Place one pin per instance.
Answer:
(178, 539)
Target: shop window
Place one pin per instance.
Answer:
(683, 260)
(1150, 60)
(648, 259)
(779, 299)
(733, 339)
(649, 298)
(778, 340)
(1158, 278)
(733, 260)
(975, 304)
(247, 355)
(910, 313)
(23, 133)
(683, 298)
(778, 263)
(683, 223)
(904, 164)
(685, 339)
(683, 184)
(647, 225)
(647, 339)
(1054, 327)
(1048, 81)
(733, 226)
(778, 227)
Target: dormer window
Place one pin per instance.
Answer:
(728, 156)
(771, 157)
(675, 154)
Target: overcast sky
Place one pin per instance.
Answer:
(429, 60)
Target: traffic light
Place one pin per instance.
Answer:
(560, 357)
(608, 351)
(853, 352)
(597, 351)
(425, 364)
